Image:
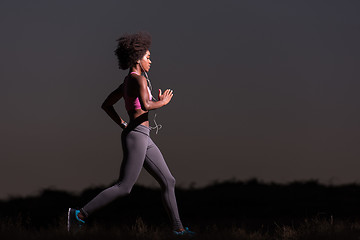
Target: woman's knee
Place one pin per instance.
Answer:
(124, 189)
(171, 181)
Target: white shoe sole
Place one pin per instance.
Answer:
(68, 220)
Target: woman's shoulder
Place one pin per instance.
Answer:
(139, 79)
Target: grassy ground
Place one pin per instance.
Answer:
(309, 229)
(230, 210)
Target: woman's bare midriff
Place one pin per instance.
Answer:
(138, 116)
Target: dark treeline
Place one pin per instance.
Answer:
(251, 204)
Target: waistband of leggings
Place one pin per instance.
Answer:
(139, 128)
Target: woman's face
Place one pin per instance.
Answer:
(145, 61)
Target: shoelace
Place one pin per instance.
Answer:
(77, 218)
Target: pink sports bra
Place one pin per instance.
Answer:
(132, 103)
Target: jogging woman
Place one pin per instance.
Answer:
(138, 148)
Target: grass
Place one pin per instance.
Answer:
(308, 229)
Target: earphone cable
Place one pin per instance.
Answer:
(157, 126)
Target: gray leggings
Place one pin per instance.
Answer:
(139, 150)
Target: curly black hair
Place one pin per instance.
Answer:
(131, 48)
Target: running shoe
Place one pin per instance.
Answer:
(74, 223)
(186, 232)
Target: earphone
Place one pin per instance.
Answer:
(157, 126)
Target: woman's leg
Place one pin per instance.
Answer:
(157, 167)
(134, 148)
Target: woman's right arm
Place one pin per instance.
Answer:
(109, 108)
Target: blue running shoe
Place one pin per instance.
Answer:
(74, 223)
(186, 232)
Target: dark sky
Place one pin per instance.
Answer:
(265, 89)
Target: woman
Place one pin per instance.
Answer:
(138, 148)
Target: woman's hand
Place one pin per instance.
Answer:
(123, 125)
(166, 96)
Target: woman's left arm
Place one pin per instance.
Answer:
(109, 108)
